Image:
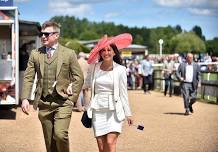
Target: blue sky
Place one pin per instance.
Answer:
(147, 13)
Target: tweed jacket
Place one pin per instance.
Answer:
(120, 95)
(181, 72)
(68, 71)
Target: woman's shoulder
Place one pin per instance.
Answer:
(120, 67)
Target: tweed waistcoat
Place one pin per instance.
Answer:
(50, 67)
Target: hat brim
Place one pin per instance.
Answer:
(121, 41)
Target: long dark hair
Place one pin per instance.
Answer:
(117, 58)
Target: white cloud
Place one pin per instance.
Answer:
(198, 7)
(86, 1)
(66, 7)
(77, 8)
(199, 11)
(172, 3)
(78, 2)
(188, 3)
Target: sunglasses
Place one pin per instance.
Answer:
(46, 34)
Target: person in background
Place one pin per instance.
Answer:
(107, 78)
(56, 67)
(147, 71)
(131, 75)
(83, 99)
(23, 60)
(189, 75)
(168, 72)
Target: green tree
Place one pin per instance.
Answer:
(74, 45)
(165, 33)
(187, 42)
(88, 35)
(197, 30)
(212, 46)
(138, 39)
(178, 28)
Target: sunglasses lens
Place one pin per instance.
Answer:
(45, 34)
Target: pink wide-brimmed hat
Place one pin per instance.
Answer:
(121, 41)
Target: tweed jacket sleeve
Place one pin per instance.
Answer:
(77, 78)
(29, 76)
(89, 77)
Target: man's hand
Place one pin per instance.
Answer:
(25, 106)
(69, 89)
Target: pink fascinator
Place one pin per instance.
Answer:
(121, 41)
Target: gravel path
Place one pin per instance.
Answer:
(166, 128)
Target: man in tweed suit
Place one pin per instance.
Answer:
(56, 68)
(189, 75)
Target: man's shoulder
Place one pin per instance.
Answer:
(38, 50)
(68, 50)
(183, 64)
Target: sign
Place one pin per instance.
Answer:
(126, 53)
(6, 2)
(161, 41)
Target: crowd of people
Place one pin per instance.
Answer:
(137, 69)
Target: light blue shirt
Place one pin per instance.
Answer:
(146, 67)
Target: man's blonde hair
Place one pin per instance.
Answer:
(53, 24)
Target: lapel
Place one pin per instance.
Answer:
(184, 69)
(116, 81)
(194, 69)
(60, 51)
(41, 59)
(49, 61)
(96, 67)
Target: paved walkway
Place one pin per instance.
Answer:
(166, 128)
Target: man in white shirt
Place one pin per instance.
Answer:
(189, 75)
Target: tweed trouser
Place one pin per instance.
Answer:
(55, 116)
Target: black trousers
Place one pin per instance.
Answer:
(147, 81)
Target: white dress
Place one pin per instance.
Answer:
(104, 118)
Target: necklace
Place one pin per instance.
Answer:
(106, 67)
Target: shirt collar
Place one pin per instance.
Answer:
(54, 47)
(189, 64)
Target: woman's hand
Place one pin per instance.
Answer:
(130, 120)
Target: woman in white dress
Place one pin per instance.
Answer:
(107, 78)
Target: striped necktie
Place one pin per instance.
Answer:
(49, 55)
